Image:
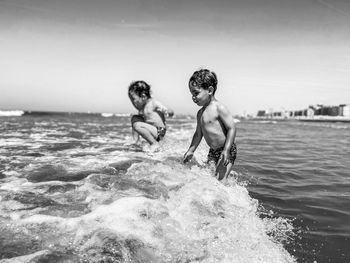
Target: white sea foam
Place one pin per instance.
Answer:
(107, 114)
(195, 218)
(9, 113)
(26, 258)
(200, 219)
(12, 142)
(236, 120)
(149, 204)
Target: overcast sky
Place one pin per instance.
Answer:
(81, 55)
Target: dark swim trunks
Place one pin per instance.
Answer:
(160, 133)
(214, 155)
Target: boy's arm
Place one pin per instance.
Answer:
(227, 119)
(161, 108)
(196, 139)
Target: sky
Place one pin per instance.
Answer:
(81, 55)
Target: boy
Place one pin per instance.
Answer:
(150, 122)
(214, 123)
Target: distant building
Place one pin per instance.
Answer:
(310, 112)
(285, 114)
(261, 113)
(298, 113)
(344, 110)
(328, 111)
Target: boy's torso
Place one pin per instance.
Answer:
(214, 131)
(152, 116)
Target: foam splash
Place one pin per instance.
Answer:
(102, 200)
(159, 211)
(11, 113)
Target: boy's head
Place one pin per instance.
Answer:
(204, 79)
(139, 92)
(140, 88)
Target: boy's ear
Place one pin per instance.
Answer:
(211, 90)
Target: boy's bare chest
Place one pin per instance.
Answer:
(209, 118)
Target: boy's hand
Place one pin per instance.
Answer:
(170, 113)
(188, 156)
(224, 158)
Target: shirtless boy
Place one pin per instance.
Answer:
(214, 123)
(150, 120)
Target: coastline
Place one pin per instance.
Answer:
(320, 118)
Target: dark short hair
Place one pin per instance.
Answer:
(204, 78)
(140, 88)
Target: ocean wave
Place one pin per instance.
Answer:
(149, 209)
(107, 114)
(103, 200)
(10, 113)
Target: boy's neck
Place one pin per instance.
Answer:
(211, 99)
(145, 102)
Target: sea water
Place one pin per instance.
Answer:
(73, 189)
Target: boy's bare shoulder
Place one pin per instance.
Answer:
(153, 100)
(152, 103)
(157, 103)
(221, 107)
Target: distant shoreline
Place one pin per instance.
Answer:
(320, 118)
(20, 113)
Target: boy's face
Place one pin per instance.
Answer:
(136, 100)
(200, 96)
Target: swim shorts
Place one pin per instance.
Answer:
(214, 155)
(160, 133)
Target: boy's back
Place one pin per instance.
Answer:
(152, 114)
